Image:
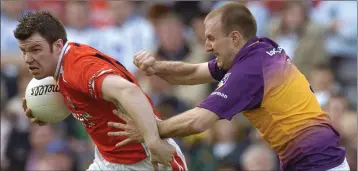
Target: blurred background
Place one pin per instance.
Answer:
(320, 37)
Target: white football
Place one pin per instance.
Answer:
(45, 101)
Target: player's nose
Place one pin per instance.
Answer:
(208, 46)
(28, 58)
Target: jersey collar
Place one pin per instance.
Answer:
(244, 50)
(64, 51)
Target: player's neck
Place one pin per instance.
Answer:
(59, 60)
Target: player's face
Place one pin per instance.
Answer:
(218, 43)
(40, 60)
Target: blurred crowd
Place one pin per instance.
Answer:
(320, 37)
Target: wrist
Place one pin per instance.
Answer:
(151, 141)
(155, 67)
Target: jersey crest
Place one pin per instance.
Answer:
(223, 81)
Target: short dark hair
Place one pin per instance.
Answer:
(236, 16)
(41, 22)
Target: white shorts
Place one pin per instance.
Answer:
(342, 167)
(100, 163)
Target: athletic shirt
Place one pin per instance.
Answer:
(80, 72)
(277, 99)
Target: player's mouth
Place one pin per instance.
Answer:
(33, 70)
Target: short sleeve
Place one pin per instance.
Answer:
(241, 89)
(91, 72)
(215, 71)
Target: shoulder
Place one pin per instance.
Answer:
(263, 54)
(81, 57)
(249, 66)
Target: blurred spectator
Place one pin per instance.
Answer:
(322, 82)
(348, 131)
(48, 151)
(14, 106)
(259, 157)
(336, 108)
(5, 127)
(52, 161)
(78, 26)
(275, 7)
(99, 14)
(226, 145)
(129, 34)
(341, 41)
(10, 54)
(170, 30)
(200, 152)
(166, 104)
(198, 27)
(40, 138)
(345, 121)
(225, 136)
(18, 144)
(174, 46)
(186, 10)
(302, 39)
(10, 13)
(54, 7)
(337, 16)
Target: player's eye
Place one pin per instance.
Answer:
(36, 50)
(211, 38)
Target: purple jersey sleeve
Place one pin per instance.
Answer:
(241, 88)
(215, 71)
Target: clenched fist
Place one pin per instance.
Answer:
(145, 61)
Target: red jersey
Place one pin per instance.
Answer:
(80, 72)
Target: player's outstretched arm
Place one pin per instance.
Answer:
(173, 72)
(183, 73)
(119, 90)
(193, 121)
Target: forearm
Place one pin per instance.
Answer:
(179, 126)
(174, 72)
(137, 106)
(183, 73)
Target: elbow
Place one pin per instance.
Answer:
(202, 120)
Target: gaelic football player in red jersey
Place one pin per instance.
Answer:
(93, 85)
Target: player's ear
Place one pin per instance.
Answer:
(57, 46)
(236, 38)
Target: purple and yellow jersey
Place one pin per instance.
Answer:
(277, 99)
